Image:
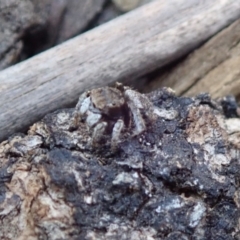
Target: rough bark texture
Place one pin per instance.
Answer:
(212, 68)
(28, 27)
(16, 18)
(67, 18)
(127, 47)
(179, 179)
(76, 17)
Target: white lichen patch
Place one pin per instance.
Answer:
(25, 145)
(197, 214)
(233, 129)
(133, 162)
(125, 177)
(168, 114)
(63, 118)
(233, 125)
(172, 204)
(123, 232)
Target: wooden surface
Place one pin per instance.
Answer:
(213, 68)
(127, 47)
(223, 76)
(16, 18)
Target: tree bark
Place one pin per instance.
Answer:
(178, 179)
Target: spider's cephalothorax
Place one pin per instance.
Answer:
(112, 113)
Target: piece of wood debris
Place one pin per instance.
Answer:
(125, 48)
(212, 68)
(16, 18)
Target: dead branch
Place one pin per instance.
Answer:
(127, 47)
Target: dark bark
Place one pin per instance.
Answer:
(179, 179)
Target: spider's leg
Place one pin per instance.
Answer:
(134, 104)
(116, 132)
(98, 132)
(80, 109)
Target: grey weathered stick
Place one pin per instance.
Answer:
(126, 47)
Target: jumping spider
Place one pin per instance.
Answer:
(112, 113)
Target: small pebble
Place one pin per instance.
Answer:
(128, 5)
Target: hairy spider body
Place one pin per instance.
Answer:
(112, 113)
